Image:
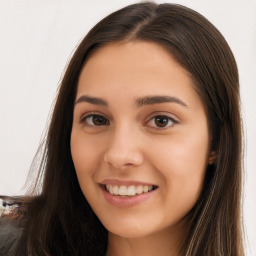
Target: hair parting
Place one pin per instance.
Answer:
(214, 223)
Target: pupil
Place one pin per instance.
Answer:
(98, 120)
(161, 121)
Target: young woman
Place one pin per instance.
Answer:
(143, 152)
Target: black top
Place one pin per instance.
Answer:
(11, 232)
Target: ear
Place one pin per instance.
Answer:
(212, 157)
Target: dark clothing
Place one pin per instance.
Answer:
(10, 236)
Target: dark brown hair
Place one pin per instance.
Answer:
(59, 220)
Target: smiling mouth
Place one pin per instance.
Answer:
(129, 191)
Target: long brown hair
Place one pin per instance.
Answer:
(59, 220)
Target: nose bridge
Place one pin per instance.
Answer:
(124, 147)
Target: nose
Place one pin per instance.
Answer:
(124, 149)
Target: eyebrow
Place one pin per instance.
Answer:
(149, 100)
(143, 101)
(92, 100)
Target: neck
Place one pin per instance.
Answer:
(164, 243)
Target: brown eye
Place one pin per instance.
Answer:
(96, 120)
(162, 121)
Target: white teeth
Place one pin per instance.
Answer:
(131, 191)
(128, 190)
(110, 189)
(122, 191)
(139, 189)
(150, 188)
(115, 190)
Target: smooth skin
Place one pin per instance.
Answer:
(120, 133)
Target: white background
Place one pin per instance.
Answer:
(37, 37)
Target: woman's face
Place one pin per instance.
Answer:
(140, 139)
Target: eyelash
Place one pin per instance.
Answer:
(168, 118)
(84, 120)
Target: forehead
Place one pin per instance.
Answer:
(134, 68)
(134, 47)
(135, 57)
(124, 51)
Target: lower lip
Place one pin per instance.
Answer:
(128, 201)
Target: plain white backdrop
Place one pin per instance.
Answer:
(38, 37)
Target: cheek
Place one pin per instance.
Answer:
(86, 156)
(183, 154)
(182, 167)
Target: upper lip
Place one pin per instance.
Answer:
(119, 182)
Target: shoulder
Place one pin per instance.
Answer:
(11, 230)
(10, 235)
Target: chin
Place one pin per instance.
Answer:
(129, 232)
(131, 228)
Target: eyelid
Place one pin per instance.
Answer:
(86, 115)
(153, 115)
(159, 113)
(169, 116)
(91, 113)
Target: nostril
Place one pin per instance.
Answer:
(121, 160)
